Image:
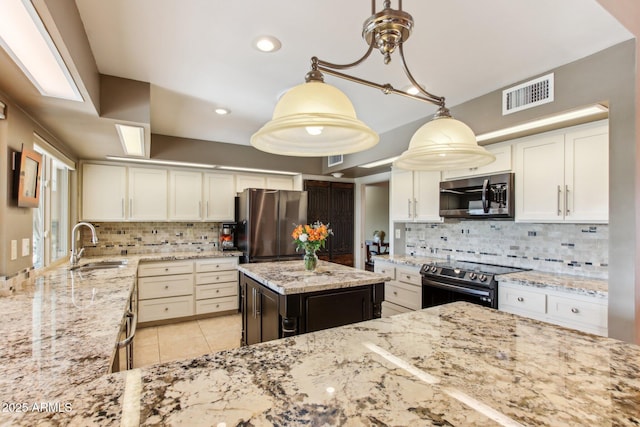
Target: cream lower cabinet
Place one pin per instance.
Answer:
(165, 290)
(404, 292)
(216, 285)
(184, 289)
(582, 312)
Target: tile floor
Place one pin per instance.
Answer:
(186, 339)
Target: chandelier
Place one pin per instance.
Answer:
(316, 119)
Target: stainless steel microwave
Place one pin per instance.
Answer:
(480, 197)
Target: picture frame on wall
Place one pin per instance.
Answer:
(29, 172)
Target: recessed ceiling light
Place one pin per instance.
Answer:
(132, 139)
(267, 44)
(222, 111)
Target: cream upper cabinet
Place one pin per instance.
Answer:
(249, 181)
(502, 164)
(219, 197)
(185, 195)
(563, 176)
(415, 196)
(147, 194)
(104, 192)
(279, 182)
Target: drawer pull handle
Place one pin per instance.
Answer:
(217, 291)
(166, 269)
(166, 286)
(408, 277)
(520, 299)
(395, 292)
(575, 310)
(217, 305)
(166, 309)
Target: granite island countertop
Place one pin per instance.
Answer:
(60, 327)
(290, 277)
(455, 365)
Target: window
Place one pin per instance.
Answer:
(51, 217)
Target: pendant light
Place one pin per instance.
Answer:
(317, 119)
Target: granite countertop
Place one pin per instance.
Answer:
(457, 364)
(411, 260)
(539, 279)
(290, 277)
(60, 327)
(559, 282)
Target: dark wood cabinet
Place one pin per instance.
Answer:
(333, 203)
(267, 315)
(260, 319)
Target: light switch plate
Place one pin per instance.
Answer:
(397, 233)
(14, 250)
(25, 247)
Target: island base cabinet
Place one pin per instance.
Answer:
(328, 310)
(260, 319)
(267, 315)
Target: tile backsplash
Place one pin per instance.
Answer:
(580, 249)
(121, 238)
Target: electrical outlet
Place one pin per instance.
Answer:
(25, 247)
(14, 250)
(397, 233)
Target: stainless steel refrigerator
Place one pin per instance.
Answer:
(265, 220)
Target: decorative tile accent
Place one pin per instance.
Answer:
(577, 249)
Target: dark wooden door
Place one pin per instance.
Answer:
(336, 308)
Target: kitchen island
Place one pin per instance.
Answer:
(452, 365)
(281, 299)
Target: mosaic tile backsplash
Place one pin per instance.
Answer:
(580, 249)
(128, 238)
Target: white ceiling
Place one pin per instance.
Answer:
(198, 55)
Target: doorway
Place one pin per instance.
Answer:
(375, 220)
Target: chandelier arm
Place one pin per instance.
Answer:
(318, 61)
(386, 88)
(438, 100)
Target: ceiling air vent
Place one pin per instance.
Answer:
(334, 160)
(527, 95)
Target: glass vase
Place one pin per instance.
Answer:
(310, 261)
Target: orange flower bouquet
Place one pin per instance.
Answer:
(311, 238)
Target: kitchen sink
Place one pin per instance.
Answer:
(99, 265)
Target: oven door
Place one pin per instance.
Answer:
(439, 291)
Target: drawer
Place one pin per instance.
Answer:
(399, 293)
(391, 309)
(165, 286)
(216, 277)
(577, 311)
(216, 264)
(386, 269)
(520, 299)
(216, 304)
(216, 290)
(408, 275)
(164, 268)
(165, 308)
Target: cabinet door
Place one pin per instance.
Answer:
(104, 191)
(185, 195)
(268, 314)
(540, 179)
(279, 183)
(259, 313)
(251, 322)
(401, 196)
(249, 181)
(219, 194)
(147, 194)
(587, 174)
(426, 192)
(501, 164)
(341, 307)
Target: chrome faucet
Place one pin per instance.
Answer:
(75, 256)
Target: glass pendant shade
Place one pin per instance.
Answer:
(443, 144)
(314, 119)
